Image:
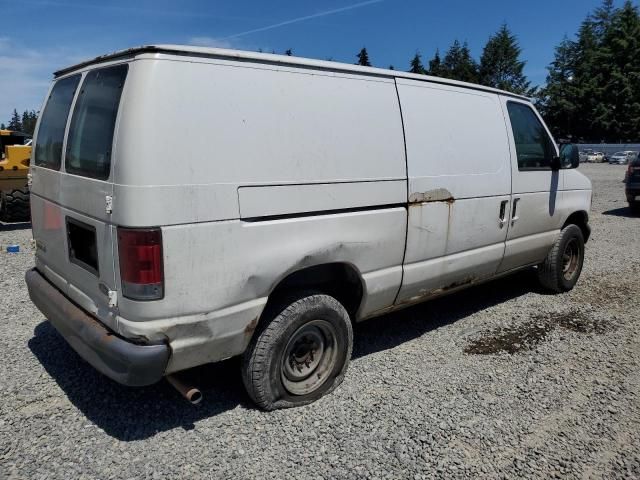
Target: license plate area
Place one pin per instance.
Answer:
(83, 249)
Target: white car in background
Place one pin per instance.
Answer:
(622, 158)
(597, 157)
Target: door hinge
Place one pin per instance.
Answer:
(108, 200)
(113, 298)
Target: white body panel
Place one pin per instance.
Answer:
(256, 167)
(459, 175)
(539, 211)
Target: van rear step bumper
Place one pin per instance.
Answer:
(123, 361)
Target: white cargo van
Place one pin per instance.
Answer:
(195, 204)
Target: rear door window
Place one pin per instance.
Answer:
(48, 150)
(94, 118)
(534, 147)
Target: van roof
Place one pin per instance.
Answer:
(243, 55)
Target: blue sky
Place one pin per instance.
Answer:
(40, 36)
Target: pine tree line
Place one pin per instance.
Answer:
(592, 93)
(25, 123)
(499, 66)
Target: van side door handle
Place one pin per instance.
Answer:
(503, 211)
(514, 217)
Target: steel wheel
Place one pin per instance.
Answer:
(570, 259)
(309, 357)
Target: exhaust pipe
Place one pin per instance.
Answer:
(192, 394)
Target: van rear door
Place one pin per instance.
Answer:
(72, 186)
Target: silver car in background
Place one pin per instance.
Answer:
(622, 158)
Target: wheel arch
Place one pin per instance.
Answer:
(580, 218)
(341, 280)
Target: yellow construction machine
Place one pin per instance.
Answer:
(15, 150)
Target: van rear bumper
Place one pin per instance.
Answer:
(123, 361)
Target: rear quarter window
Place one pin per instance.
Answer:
(93, 122)
(48, 148)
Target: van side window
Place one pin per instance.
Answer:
(534, 148)
(93, 122)
(48, 148)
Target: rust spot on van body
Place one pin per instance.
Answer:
(460, 283)
(428, 294)
(436, 195)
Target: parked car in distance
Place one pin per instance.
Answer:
(308, 195)
(622, 158)
(632, 184)
(584, 155)
(597, 157)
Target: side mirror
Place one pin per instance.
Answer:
(569, 156)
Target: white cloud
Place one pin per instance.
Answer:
(229, 41)
(302, 19)
(26, 73)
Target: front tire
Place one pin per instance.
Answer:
(561, 269)
(301, 353)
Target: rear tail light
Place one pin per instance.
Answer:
(141, 266)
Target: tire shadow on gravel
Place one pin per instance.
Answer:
(10, 227)
(622, 212)
(391, 330)
(128, 413)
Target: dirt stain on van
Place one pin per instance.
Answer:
(526, 336)
(251, 326)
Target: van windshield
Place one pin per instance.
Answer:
(53, 122)
(92, 125)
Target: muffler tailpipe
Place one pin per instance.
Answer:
(192, 394)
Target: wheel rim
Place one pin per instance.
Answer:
(570, 259)
(309, 357)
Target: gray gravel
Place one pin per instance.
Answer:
(498, 381)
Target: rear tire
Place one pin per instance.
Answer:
(561, 269)
(300, 354)
(635, 207)
(14, 205)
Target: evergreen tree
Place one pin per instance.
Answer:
(391, 67)
(288, 52)
(416, 64)
(363, 58)
(602, 17)
(3, 126)
(589, 79)
(593, 87)
(435, 65)
(29, 119)
(15, 123)
(458, 64)
(500, 64)
(558, 100)
(618, 113)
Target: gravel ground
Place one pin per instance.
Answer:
(498, 381)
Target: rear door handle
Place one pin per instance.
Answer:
(514, 217)
(503, 211)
